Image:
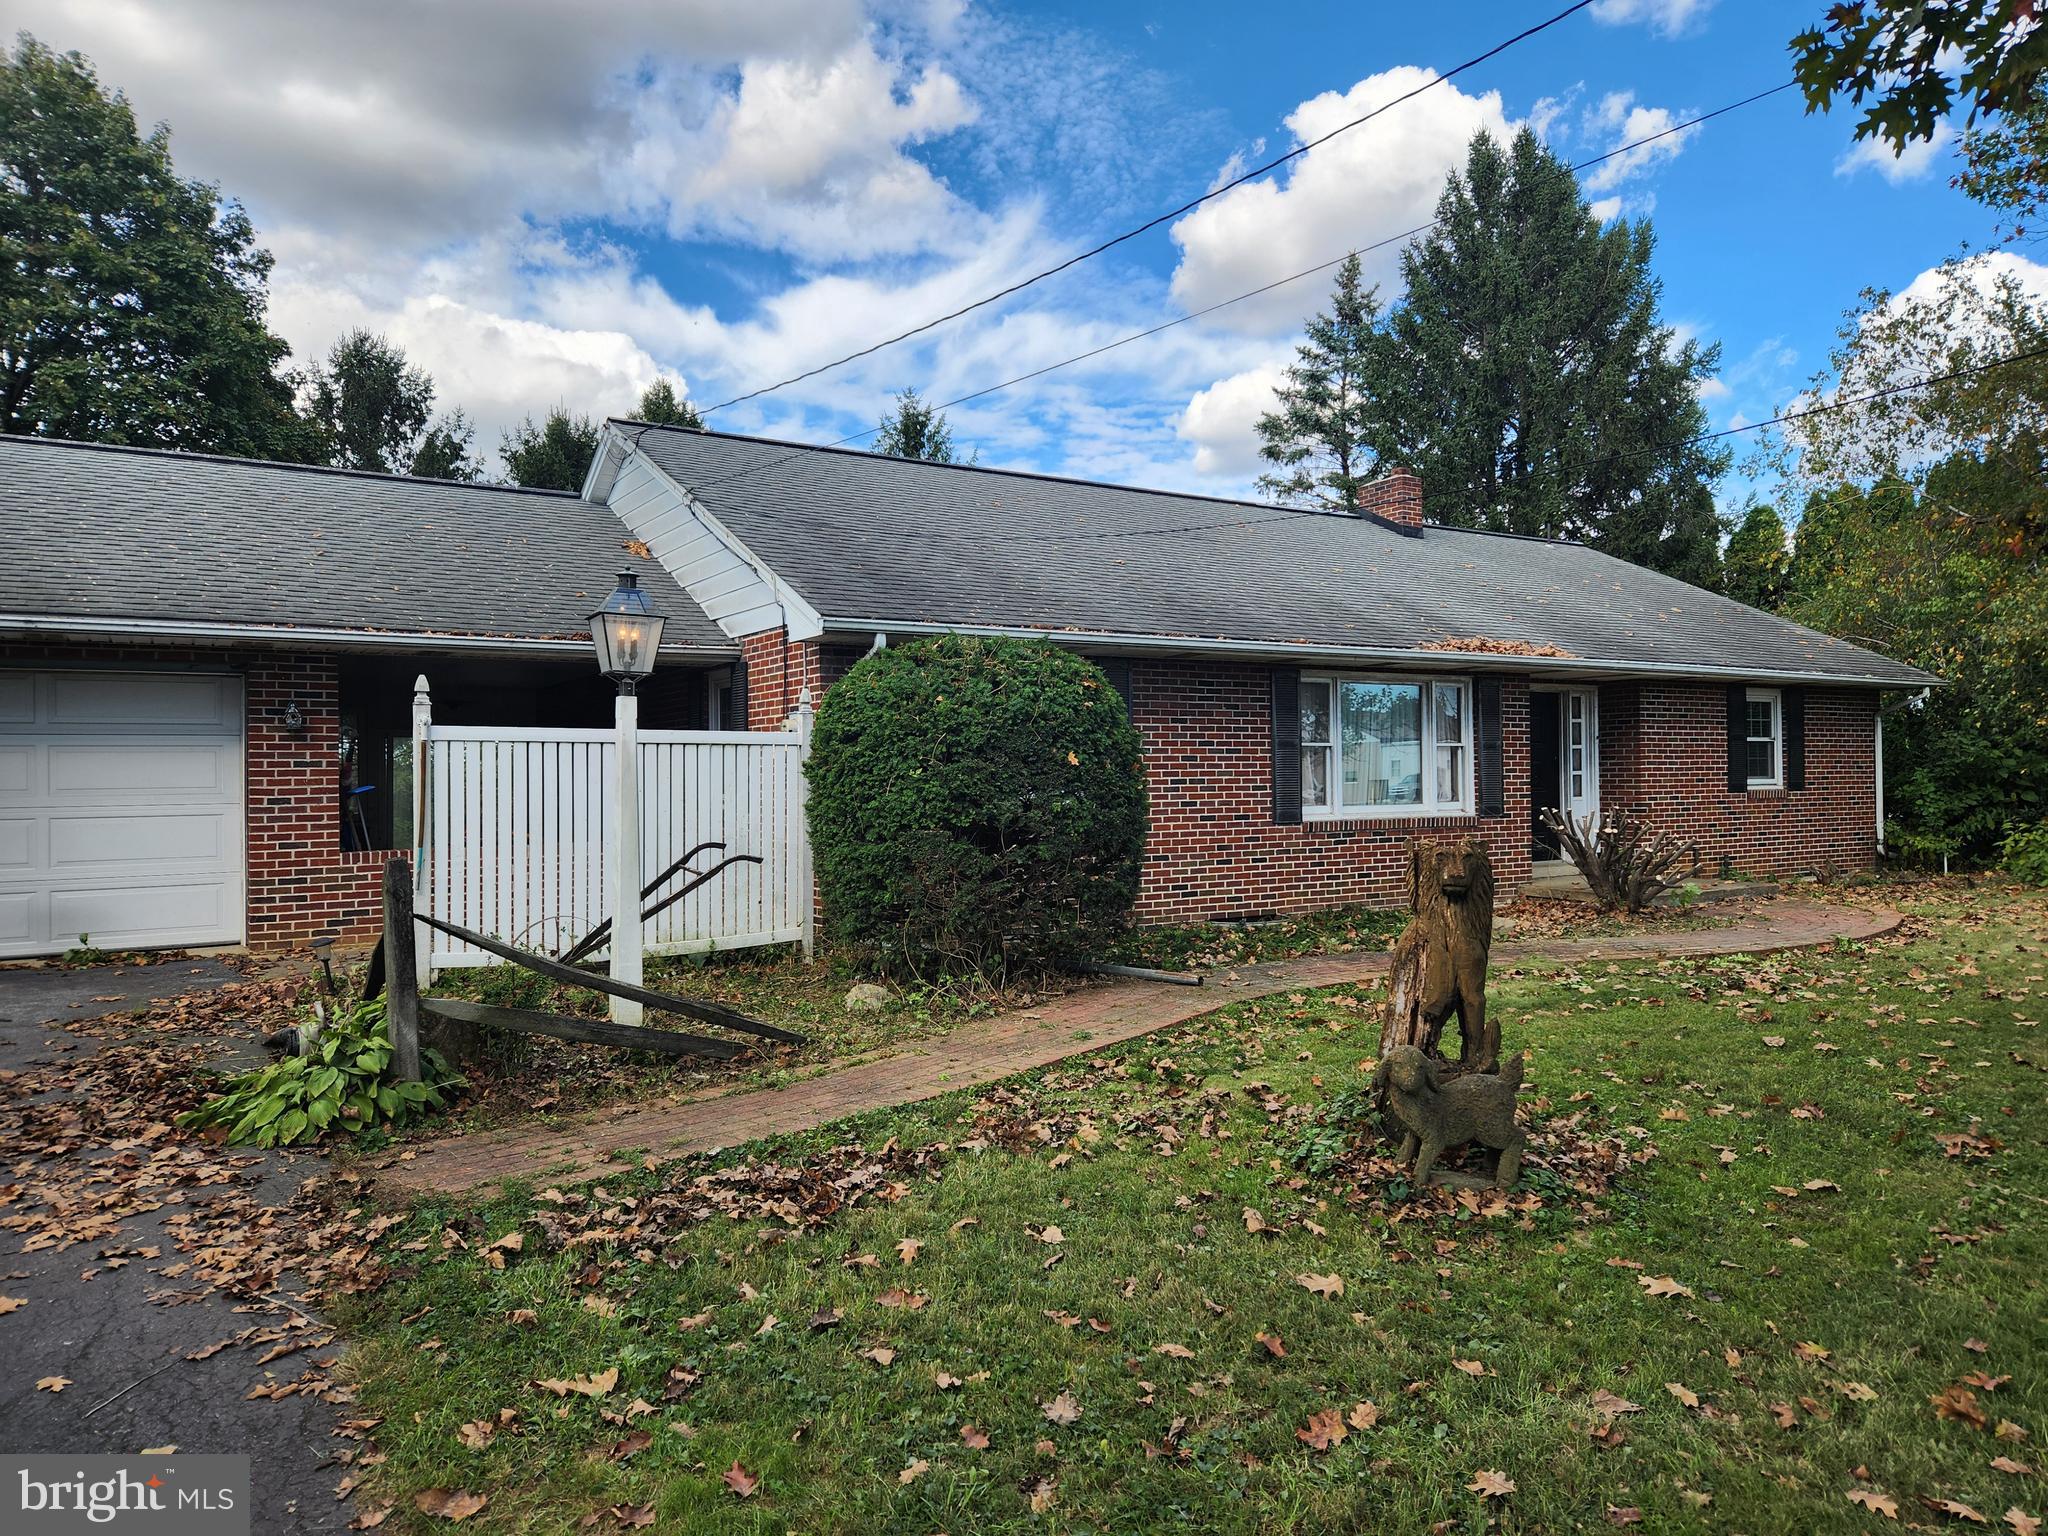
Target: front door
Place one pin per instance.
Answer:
(1546, 770)
(1580, 724)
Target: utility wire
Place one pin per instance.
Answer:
(1154, 223)
(1167, 325)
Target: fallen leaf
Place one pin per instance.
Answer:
(445, 1504)
(1786, 1415)
(1955, 1509)
(1624, 1515)
(1174, 1351)
(1061, 1410)
(12, 1304)
(881, 1354)
(585, 1386)
(973, 1438)
(1960, 1404)
(908, 1249)
(825, 1317)
(1323, 1430)
(53, 1383)
(2007, 1430)
(1683, 1393)
(1811, 1352)
(1273, 1345)
(523, 1317)
(1047, 1234)
(767, 1325)
(1469, 1367)
(695, 1320)
(1662, 1285)
(1362, 1416)
(1043, 1495)
(896, 1296)
(914, 1471)
(1611, 1405)
(1321, 1285)
(1489, 1484)
(740, 1480)
(2007, 1464)
(1254, 1222)
(1875, 1501)
(2022, 1523)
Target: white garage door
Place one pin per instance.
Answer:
(120, 810)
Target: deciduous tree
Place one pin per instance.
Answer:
(131, 299)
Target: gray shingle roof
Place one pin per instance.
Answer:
(863, 537)
(93, 532)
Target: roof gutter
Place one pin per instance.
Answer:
(1464, 661)
(13, 625)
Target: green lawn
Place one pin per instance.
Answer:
(1836, 1157)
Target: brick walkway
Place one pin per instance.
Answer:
(997, 1048)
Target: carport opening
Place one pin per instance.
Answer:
(375, 700)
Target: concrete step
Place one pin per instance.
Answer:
(1573, 888)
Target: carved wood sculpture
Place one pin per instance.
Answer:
(1439, 965)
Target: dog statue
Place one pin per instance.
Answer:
(1442, 1112)
(1439, 962)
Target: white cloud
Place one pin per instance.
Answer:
(1623, 120)
(803, 155)
(1984, 272)
(1220, 421)
(1670, 17)
(1900, 165)
(418, 122)
(1362, 186)
(1605, 209)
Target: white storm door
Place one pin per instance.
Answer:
(1581, 754)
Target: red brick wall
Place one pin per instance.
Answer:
(301, 884)
(1664, 752)
(1396, 496)
(779, 671)
(1215, 850)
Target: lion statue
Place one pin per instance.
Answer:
(1439, 965)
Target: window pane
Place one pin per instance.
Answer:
(1762, 725)
(1761, 764)
(1315, 712)
(1382, 738)
(1315, 776)
(1450, 775)
(1450, 711)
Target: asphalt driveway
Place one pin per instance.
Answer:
(101, 1312)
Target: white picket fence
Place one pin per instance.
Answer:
(514, 823)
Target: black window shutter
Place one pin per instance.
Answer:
(1738, 739)
(1486, 723)
(1118, 670)
(1287, 746)
(738, 722)
(1794, 725)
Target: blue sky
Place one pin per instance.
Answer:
(546, 205)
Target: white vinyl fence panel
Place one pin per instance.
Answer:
(515, 822)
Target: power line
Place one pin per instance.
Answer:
(1154, 223)
(1167, 325)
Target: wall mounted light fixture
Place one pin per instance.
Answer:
(294, 719)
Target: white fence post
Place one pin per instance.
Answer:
(422, 731)
(625, 856)
(800, 725)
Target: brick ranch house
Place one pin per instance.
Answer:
(198, 655)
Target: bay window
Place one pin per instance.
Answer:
(1385, 746)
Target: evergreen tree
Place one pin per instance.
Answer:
(1317, 436)
(661, 405)
(447, 450)
(915, 430)
(553, 456)
(370, 403)
(131, 300)
(1755, 564)
(1527, 377)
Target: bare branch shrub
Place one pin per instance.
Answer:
(1625, 862)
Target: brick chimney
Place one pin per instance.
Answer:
(1397, 497)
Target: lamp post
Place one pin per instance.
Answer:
(626, 632)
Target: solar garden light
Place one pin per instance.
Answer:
(626, 632)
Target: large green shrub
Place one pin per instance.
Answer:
(976, 806)
(2024, 853)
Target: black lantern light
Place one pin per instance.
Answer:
(626, 632)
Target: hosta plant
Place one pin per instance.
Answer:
(342, 1082)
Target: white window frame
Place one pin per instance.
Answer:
(1428, 806)
(1776, 699)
